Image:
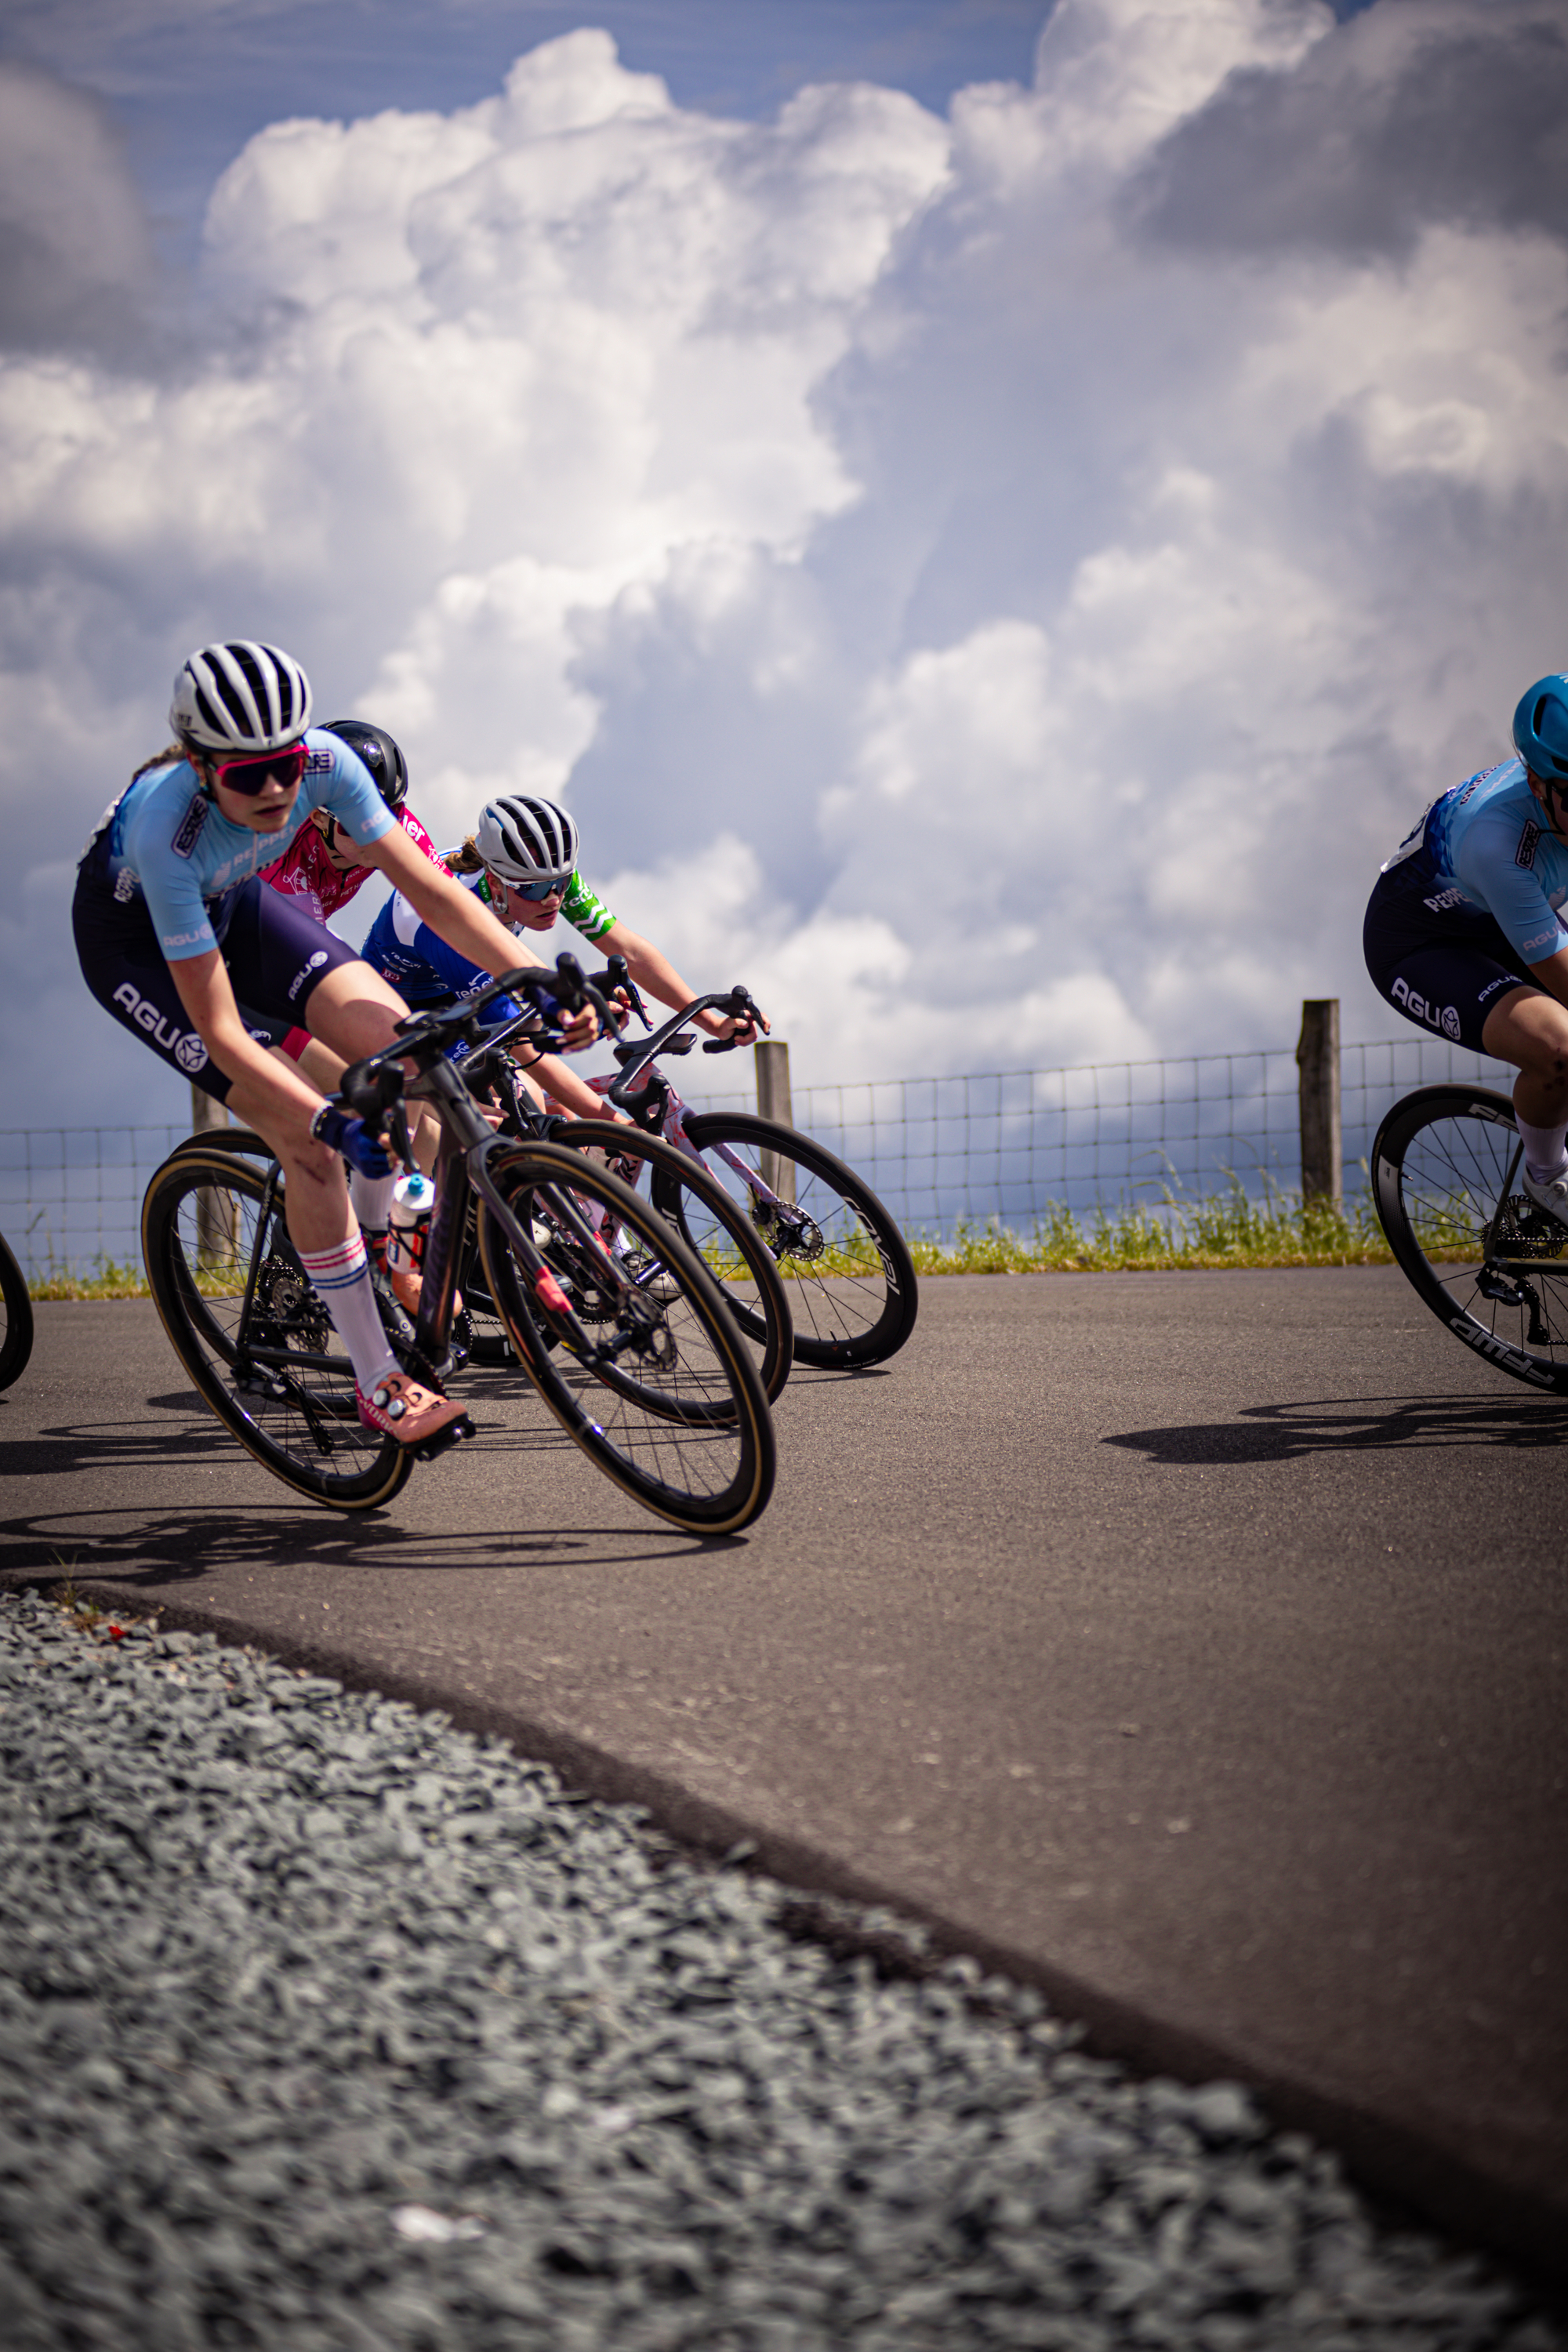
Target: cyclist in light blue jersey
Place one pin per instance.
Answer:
(175, 930)
(1465, 932)
(520, 861)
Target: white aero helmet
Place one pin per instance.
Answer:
(241, 698)
(527, 840)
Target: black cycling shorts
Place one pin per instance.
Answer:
(1445, 972)
(275, 950)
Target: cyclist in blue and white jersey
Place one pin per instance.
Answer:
(1465, 932)
(174, 924)
(520, 862)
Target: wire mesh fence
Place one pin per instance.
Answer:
(1001, 1145)
(1006, 1144)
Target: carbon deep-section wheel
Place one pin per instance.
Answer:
(272, 1369)
(1447, 1168)
(669, 1405)
(850, 1277)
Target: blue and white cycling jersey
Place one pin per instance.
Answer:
(423, 968)
(165, 844)
(1485, 849)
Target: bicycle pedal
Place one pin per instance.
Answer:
(453, 1434)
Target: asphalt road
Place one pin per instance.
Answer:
(1193, 1645)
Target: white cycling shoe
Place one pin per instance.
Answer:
(1549, 1192)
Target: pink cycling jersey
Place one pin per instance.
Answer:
(306, 871)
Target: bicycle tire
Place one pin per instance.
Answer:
(691, 1439)
(198, 1253)
(16, 1318)
(1476, 1249)
(862, 1308)
(751, 1288)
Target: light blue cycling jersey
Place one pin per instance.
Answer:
(164, 842)
(1485, 848)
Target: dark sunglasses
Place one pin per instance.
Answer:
(534, 891)
(249, 776)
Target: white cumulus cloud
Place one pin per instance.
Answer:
(997, 585)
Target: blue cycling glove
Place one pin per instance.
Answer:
(358, 1147)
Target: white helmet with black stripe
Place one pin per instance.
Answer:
(524, 839)
(240, 697)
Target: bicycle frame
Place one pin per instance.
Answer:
(467, 1145)
(639, 1060)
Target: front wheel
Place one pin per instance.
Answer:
(1445, 1170)
(269, 1364)
(657, 1386)
(850, 1279)
(16, 1318)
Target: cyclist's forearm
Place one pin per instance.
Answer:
(652, 971)
(289, 1101)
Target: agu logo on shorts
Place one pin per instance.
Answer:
(187, 1050)
(300, 977)
(1446, 1018)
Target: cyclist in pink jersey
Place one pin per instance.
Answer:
(317, 868)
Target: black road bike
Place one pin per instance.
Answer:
(652, 1381)
(844, 1262)
(16, 1318)
(1447, 1175)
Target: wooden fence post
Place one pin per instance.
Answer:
(217, 1234)
(1318, 1058)
(774, 1102)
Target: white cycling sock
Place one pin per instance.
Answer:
(1544, 1149)
(341, 1276)
(372, 1198)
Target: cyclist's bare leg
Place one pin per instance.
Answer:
(1530, 1029)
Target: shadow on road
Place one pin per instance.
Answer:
(146, 1552)
(1283, 1433)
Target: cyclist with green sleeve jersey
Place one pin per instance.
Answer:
(1466, 932)
(520, 861)
(177, 931)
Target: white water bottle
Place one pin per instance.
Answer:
(413, 1197)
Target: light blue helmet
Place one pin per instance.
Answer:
(1541, 729)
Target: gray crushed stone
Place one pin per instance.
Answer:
(324, 2026)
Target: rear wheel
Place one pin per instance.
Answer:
(16, 1318)
(850, 1279)
(1447, 1168)
(699, 1210)
(676, 1415)
(276, 1374)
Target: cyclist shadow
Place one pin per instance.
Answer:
(133, 1548)
(116, 1546)
(1285, 1432)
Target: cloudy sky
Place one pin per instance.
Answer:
(994, 516)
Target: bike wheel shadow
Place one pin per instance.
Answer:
(1286, 1433)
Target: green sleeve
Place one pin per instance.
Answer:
(584, 912)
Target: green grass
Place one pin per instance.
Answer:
(1228, 1229)
(108, 1280)
(1225, 1229)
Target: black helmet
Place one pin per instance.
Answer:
(381, 755)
